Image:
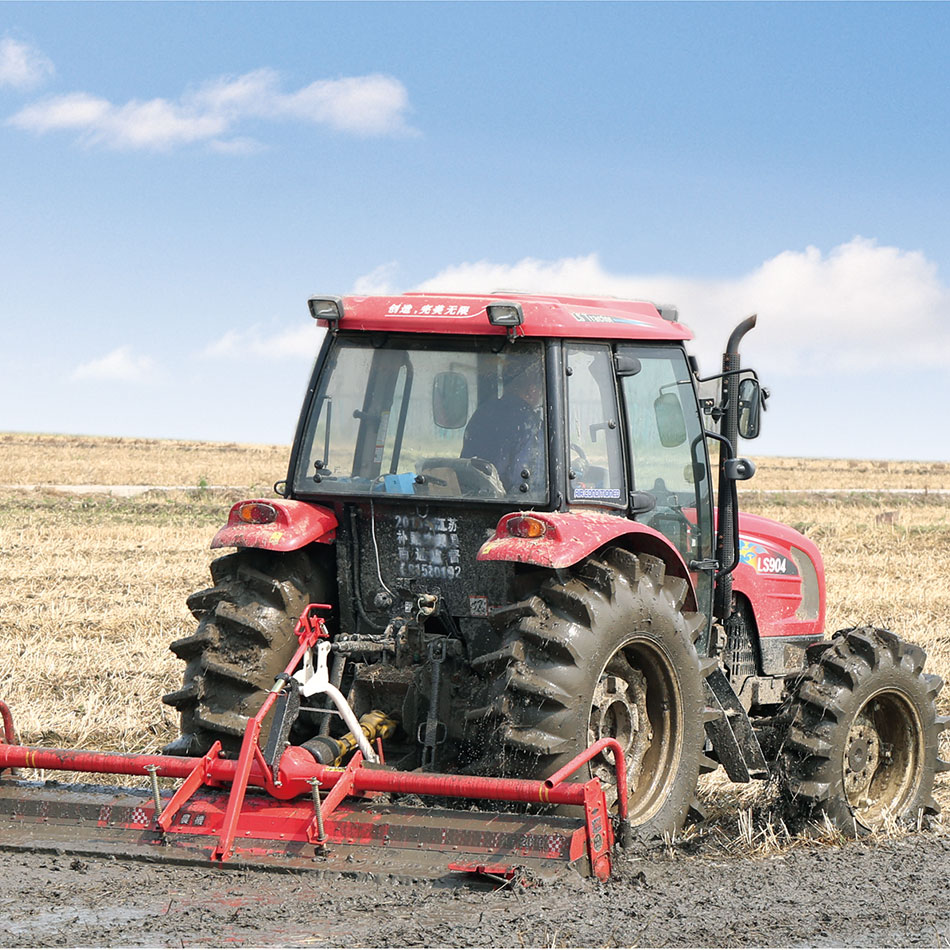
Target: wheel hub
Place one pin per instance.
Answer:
(862, 756)
(619, 710)
(858, 755)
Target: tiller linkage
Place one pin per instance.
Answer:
(281, 807)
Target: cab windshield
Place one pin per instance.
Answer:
(455, 421)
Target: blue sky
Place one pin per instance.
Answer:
(177, 179)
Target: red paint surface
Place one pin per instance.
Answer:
(592, 751)
(296, 766)
(298, 523)
(775, 598)
(550, 316)
(570, 536)
(9, 733)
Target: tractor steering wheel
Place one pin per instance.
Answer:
(579, 460)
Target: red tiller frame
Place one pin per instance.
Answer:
(297, 770)
(9, 733)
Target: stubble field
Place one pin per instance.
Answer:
(92, 590)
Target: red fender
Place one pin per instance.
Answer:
(781, 573)
(293, 525)
(570, 536)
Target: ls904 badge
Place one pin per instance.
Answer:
(764, 561)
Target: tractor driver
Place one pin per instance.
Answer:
(507, 431)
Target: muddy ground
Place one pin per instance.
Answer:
(891, 893)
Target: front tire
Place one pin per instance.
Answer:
(609, 651)
(862, 734)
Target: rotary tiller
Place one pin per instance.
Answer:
(280, 807)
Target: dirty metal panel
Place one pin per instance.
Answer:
(369, 836)
(429, 548)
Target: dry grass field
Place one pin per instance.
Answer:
(27, 459)
(92, 587)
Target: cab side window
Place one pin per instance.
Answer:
(667, 449)
(593, 432)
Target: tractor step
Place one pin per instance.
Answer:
(370, 836)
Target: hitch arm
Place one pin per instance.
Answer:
(309, 630)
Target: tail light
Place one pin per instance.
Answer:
(255, 512)
(526, 527)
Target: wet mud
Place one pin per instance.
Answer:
(891, 893)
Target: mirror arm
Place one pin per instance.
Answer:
(732, 372)
(326, 442)
(728, 457)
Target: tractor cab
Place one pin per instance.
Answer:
(570, 405)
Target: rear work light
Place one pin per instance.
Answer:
(526, 527)
(255, 512)
(505, 314)
(326, 308)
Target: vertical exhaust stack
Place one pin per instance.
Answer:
(726, 533)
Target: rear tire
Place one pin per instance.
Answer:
(862, 734)
(245, 637)
(610, 651)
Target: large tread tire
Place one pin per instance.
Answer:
(245, 637)
(861, 734)
(594, 655)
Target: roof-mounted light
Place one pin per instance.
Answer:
(326, 308)
(668, 312)
(505, 314)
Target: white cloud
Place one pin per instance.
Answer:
(364, 105)
(378, 281)
(297, 343)
(861, 306)
(23, 66)
(75, 111)
(120, 365)
(250, 94)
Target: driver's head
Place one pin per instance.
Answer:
(523, 378)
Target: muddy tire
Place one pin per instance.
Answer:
(245, 637)
(862, 734)
(610, 651)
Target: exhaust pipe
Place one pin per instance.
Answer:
(727, 533)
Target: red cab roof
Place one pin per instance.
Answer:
(544, 315)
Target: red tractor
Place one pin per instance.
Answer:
(499, 572)
(508, 502)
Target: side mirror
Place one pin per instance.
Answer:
(670, 424)
(738, 470)
(750, 408)
(627, 365)
(450, 400)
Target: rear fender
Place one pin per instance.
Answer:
(571, 536)
(295, 524)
